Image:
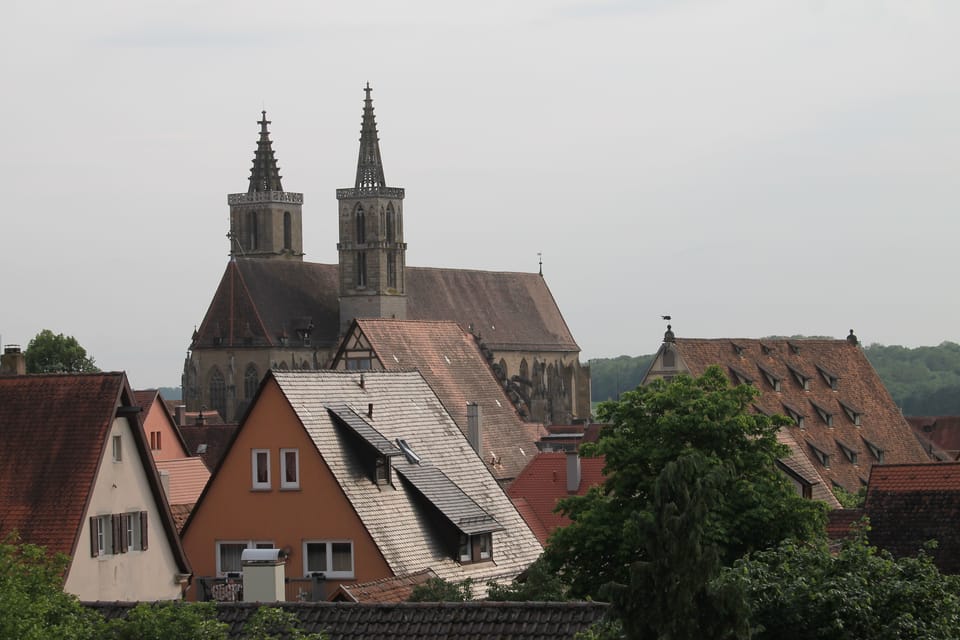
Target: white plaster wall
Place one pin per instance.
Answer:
(122, 487)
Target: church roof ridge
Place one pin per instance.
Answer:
(265, 174)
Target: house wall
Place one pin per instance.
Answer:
(122, 487)
(233, 511)
(158, 421)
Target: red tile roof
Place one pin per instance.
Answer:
(188, 477)
(840, 521)
(909, 505)
(883, 432)
(452, 364)
(394, 589)
(943, 432)
(543, 483)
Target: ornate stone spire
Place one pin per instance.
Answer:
(369, 164)
(265, 175)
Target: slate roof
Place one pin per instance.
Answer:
(883, 435)
(258, 301)
(216, 437)
(53, 437)
(416, 621)
(393, 589)
(909, 505)
(401, 525)
(544, 482)
(188, 477)
(452, 364)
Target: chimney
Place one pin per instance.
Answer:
(13, 363)
(165, 482)
(474, 428)
(573, 471)
(264, 575)
(179, 415)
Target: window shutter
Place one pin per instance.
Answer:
(117, 522)
(94, 547)
(143, 530)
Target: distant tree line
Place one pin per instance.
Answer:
(923, 381)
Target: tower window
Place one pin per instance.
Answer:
(391, 269)
(391, 225)
(361, 268)
(361, 226)
(252, 230)
(287, 231)
(218, 392)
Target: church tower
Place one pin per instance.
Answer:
(266, 221)
(371, 247)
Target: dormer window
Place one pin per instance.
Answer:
(825, 415)
(854, 414)
(822, 456)
(766, 349)
(832, 379)
(794, 348)
(802, 379)
(794, 415)
(740, 376)
(737, 349)
(772, 379)
(849, 453)
(383, 475)
(875, 451)
(475, 548)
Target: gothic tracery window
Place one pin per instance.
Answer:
(361, 269)
(361, 226)
(251, 380)
(218, 392)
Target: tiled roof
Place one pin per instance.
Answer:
(188, 477)
(909, 505)
(257, 301)
(393, 589)
(180, 513)
(453, 366)
(398, 521)
(417, 621)
(883, 435)
(943, 432)
(215, 437)
(839, 522)
(798, 464)
(544, 482)
(53, 437)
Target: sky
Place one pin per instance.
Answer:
(749, 167)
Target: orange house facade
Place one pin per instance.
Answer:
(296, 479)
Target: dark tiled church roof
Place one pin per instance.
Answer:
(259, 301)
(417, 621)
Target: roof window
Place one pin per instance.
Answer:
(848, 452)
(875, 451)
(794, 415)
(772, 379)
(794, 348)
(829, 377)
(825, 415)
(802, 379)
(740, 376)
(853, 413)
(766, 349)
(737, 348)
(822, 456)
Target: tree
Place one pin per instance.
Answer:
(801, 591)
(54, 353)
(164, 620)
(33, 605)
(537, 584)
(440, 590)
(753, 508)
(276, 623)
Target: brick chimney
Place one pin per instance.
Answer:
(573, 471)
(13, 363)
(474, 428)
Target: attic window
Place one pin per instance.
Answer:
(825, 415)
(740, 377)
(737, 349)
(802, 380)
(875, 451)
(766, 349)
(382, 476)
(475, 548)
(850, 454)
(772, 379)
(794, 415)
(822, 456)
(830, 378)
(855, 415)
(794, 347)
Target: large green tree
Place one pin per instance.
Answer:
(753, 507)
(807, 592)
(54, 353)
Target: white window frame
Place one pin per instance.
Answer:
(104, 535)
(329, 573)
(284, 483)
(259, 486)
(132, 531)
(247, 544)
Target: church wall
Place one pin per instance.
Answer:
(556, 387)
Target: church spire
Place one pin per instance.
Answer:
(265, 175)
(369, 164)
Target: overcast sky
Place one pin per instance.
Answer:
(750, 167)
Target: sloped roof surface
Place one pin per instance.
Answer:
(399, 522)
(53, 430)
(416, 621)
(544, 482)
(941, 431)
(909, 505)
(188, 477)
(859, 387)
(393, 589)
(798, 462)
(841, 521)
(216, 437)
(257, 301)
(453, 366)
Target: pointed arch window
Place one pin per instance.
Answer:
(391, 224)
(361, 225)
(252, 230)
(524, 370)
(251, 380)
(218, 392)
(392, 269)
(361, 269)
(287, 231)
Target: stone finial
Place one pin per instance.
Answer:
(668, 335)
(852, 339)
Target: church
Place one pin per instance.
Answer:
(273, 310)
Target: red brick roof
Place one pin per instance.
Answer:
(840, 521)
(543, 483)
(188, 477)
(394, 589)
(883, 432)
(257, 301)
(943, 432)
(452, 364)
(909, 505)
